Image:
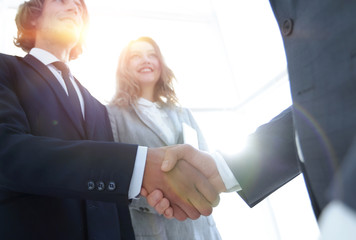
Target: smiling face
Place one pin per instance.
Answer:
(143, 73)
(144, 64)
(61, 21)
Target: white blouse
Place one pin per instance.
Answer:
(158, 117)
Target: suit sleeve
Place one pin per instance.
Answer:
(54, 167)
(269, 160)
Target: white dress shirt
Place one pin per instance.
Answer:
(158, 117)
(231, 183)
(136, 180)
(337, 221)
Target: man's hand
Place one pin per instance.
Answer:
(189, 192)
(202, 161)
(159, 202)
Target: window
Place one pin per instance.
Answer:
(229, 61)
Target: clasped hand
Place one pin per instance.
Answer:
(181, 182)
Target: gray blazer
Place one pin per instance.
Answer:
(130, 125)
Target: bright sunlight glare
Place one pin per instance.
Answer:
(230, 65)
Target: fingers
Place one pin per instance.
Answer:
(187, 184)
(162, 205)
(179, 214)
(202, 205)
(188, 209)
(156, 200)
(208, 192)
(216, 202)
(168, 213)
(154, 197)
(205, 197)
(179, 185)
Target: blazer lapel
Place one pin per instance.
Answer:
(151, 125)
(63, 99)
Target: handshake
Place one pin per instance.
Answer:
(181, 182)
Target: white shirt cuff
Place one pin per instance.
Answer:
(138, 171)
(226, 174)
(337, 221)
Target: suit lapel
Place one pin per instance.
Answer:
(151, 125)
(63, 99)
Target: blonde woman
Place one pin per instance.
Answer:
(145, 111)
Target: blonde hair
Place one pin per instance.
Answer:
(128, 90)
(30, 11)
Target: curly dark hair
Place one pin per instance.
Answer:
(30, 11)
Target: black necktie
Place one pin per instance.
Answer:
(72, 94)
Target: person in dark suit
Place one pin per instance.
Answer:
(61, 174)
(316, 135)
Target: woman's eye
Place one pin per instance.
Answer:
(153, 55)
(134, 57)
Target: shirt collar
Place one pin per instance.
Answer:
(42, 55)
(147, 103)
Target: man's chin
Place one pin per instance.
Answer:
(67, 31)
(68, 37)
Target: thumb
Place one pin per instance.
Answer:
(168, 164)
(171, 157)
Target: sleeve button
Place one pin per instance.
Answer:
(100, 186)
(287, 27)
(111, 186)
(91, 185)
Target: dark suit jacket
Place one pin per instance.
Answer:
(60, 178)
(319, 38)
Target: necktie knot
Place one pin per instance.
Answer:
(62, 67)
(72, 94)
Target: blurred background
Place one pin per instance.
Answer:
(231, 71)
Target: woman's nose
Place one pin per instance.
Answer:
(145, 58)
